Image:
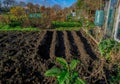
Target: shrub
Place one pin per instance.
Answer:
(87, 23)
(67, 74)
(69, 17)
(35, 22)
(14, 21)
(106, 47)
(5, 19)
(66, 24)
(116, 78)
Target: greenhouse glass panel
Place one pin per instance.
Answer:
(117, 27)
(113, 3)
(118, 32)
(110, 20)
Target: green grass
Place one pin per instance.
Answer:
(4, 27)
(8, 28)
(67, 28)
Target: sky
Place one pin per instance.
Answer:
(62, 3)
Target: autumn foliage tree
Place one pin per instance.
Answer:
(17, 11)
(17, 16)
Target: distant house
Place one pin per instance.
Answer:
(71, 16)
(73, 13)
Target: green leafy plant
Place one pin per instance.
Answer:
(69, 17)
(88, 24)
(66, 24)
(107, 47)
(116, 79)
(17, 28)
(68, 28)
(67, 73)
(14, 21)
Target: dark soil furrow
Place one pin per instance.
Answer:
(79, 44)
(74, 49)
(44, 47)
(60, 48)
(52, 47)
(67, 46)
(87, 46)
(40, 38)
(85, 59)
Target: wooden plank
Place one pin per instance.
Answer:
(94, 40)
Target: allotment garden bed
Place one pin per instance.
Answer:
(26, 56)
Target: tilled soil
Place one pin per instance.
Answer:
(25, 56)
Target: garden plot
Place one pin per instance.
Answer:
(26, 56)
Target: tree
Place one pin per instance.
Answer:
(21, 3)
(42, 8)
(12, 2)
(87, 8)
(8, 3)
(17, 11)
(81, 4)
(36, 8)
(0, 4)
(56, 8)
(90, 4)
(30, 7)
